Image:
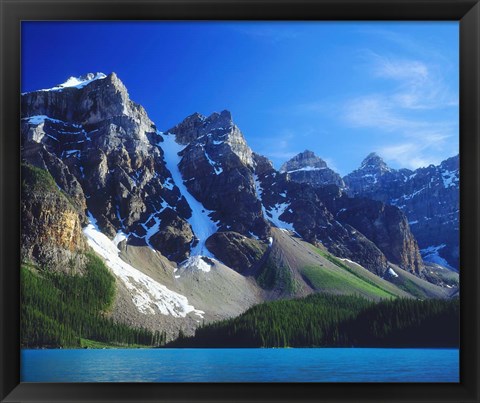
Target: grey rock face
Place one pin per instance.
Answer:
(216, 130)
(51, 226)
(387, 227)
(306, 167)
(217, 167)
(235, 250)
(173, 237)
(372, 177)
(362, 230)
(102, 149)
(429, 197)
(99, 101)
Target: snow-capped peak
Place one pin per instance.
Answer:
(78, 82)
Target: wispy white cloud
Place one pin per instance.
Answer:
(398, 69)
(375, 110)
(411, 154)
(408, 141)
(405, 43)
(404, 95)
(409, 108)
(417, 84)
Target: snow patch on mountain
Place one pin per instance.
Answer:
(218, 169)
(78, 82)
(431, 255)
(119, 237)
(351, 262)
(68, 153)
(153, 228)
(307, 168)
(273, 214)
(258, 188)
(148, 295)
(450, 178)
(433, 249)
(168, 184)
(392, 272)
(373, 176)
(39, 119)
(202, 225)
(197, 263)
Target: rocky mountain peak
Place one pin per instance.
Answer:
(216, 134)
(307, 167)
(373, 162)
(86, 100)
(223, 118)
(79, 82)
(197, 125)
(189, 128)
(428, 196)
(306, 160)
(113, 79)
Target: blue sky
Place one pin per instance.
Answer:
(340, 89)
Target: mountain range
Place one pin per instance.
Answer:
(196, 227)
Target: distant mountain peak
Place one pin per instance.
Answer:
(306, 160)
(306, 167)
(374, 161)
(306, 154)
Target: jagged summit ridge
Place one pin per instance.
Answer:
(100, 147)
(75, 82)
(120, 163)
(216, 134)
(306, 160)
(78, 82)
(428, 196)
(197, 125)
(96, 100)
(371, 172)
(217, 166)
(373, 162)
(306, 167)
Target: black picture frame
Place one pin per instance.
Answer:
(15, 11)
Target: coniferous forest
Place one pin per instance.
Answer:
(335, 321)
(59, 310)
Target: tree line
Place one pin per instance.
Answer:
(335, 321)
(58, 310)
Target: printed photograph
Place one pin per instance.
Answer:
(240, 201)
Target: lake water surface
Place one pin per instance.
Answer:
(241, 365)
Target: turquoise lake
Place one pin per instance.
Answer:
(241, 365)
